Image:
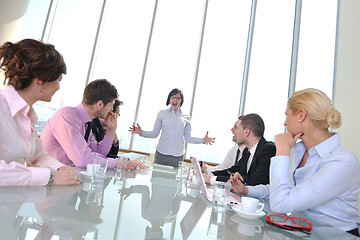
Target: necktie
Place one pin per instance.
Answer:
(87, 132)
(248, 163)
(243, 162)
(237, 156)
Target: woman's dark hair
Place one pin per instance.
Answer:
(117, 103)
(28, 59)
(174, 92)
(100, 89)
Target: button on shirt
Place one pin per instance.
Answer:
(23, 160)
(63, 138)
(176, 129)
(327, 186)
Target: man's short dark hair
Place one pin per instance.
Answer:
(253, 122)
(100, 89)
(174, 92)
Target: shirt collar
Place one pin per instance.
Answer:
(170, 109)
(327, 146)
(17, 104)
(84, 115)
(253, 149)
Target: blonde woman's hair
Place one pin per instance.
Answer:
(317, 106)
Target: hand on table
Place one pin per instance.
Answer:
(65, 176)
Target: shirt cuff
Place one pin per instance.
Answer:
(39, 176)
(209, 170)
(212, 180)
(111, 163)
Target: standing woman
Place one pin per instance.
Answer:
(33, 71)
(325, 177)
(176, 129)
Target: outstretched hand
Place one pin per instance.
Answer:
(136, 129)
(208, 140)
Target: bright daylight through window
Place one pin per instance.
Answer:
(228, 57)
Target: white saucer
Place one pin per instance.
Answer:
(252, 222)
(247, 215)
(86, 174)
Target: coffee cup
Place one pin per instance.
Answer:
(251, 205)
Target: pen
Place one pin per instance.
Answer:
(232, 174)
(201, 163)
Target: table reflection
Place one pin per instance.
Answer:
(160, 202)
(150, 201)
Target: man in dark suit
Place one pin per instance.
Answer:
(255, 161)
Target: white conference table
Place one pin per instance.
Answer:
(145, 204)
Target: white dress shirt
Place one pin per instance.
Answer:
(229, 159)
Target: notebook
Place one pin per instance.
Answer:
(208, 193)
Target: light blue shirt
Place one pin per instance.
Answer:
(176, 129)
(327, 187)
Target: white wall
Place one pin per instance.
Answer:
(347, 77)
(11, 17)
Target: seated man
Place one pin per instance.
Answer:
(99, 129)
(67, 135)
(255, 161)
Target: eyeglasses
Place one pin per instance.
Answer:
(177, 98)
(297, 224)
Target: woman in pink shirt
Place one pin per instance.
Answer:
(32, 71)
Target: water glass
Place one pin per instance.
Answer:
(95, 194)
(221, 194)
(183, 171)
(216, 228)
(121, 163)
(99, 168)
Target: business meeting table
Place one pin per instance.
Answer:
(142, 204)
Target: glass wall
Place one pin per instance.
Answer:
(148, 47)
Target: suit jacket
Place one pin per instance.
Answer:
(259, 169)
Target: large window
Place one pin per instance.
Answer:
(317, 46)
(229, 57)
(218, 88)
(270, 60)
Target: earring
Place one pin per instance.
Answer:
(41, 89)
(299, 120)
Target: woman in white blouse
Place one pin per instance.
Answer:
(176, 129)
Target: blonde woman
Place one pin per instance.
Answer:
(325, 177)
